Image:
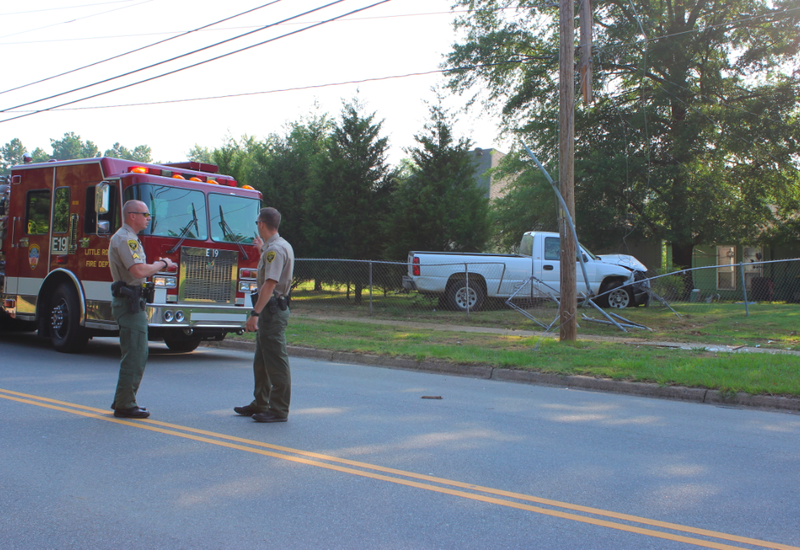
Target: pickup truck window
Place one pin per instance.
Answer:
(526, 246)
(552, 248)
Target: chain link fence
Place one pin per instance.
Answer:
(495, 293)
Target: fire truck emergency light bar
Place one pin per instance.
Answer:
(175, 175)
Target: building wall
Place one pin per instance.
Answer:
(485, 160)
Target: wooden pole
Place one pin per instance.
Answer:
(566, 169)
(586, 50)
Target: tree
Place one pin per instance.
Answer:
(11, 154)
(439, 206)
(234, 158)
(140, 153)
(695, 131)
(72, 147)
(284, 172)
(199, 154)
(348, 196)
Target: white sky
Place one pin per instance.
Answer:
(42, 38)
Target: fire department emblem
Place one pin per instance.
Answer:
(270, 256)
(33, 256)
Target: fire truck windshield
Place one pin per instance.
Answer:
(176, 211)
(232, 218)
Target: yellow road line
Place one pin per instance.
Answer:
(186, 433)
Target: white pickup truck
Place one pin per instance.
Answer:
(464, 281)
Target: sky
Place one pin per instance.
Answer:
(40, 39)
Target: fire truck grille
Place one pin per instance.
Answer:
(208, 275)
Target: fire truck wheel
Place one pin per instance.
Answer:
(181, 342)
(66, 332)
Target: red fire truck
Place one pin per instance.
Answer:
(56, 219)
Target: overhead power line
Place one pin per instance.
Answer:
(73, 20)
(282, 90)
(137, 49)
(170, 59)
(61, 8)
(136, 35)
(207, 60)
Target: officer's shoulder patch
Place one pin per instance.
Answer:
(133, 244)
(270, 256)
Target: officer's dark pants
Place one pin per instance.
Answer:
(133, 343)
(273, 378)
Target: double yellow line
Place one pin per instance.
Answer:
(585, 514)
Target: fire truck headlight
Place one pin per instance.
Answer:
(247, 286)
(165, 282)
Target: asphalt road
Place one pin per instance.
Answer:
(368, 461)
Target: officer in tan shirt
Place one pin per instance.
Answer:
(128, 264)
(270, 315)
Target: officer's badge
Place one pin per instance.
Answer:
(133, 245)
(270, 256)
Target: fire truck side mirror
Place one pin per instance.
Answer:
(101, 198)
(101, 194)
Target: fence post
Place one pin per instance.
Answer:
(744, 292)
(370, 288)
(466, 282)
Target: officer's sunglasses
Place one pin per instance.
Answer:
(145, 214)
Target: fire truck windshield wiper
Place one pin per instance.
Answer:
(228, 233)
(185, 231)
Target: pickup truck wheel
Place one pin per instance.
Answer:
(620, 298)
(460, 297)
(66, 332)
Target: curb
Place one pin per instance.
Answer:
(489, 372)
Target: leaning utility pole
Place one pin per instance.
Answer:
(566, 170)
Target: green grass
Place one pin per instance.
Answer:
(761, 373)
(768, 325)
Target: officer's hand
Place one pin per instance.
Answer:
(258, 243)
(252, 324)
(170, 263)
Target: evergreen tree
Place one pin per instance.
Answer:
(140, 153)
(348, 197)
(72, 147)
(284, 171)
(439, 206)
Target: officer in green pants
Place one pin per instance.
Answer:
(129, 269)
(270, 315)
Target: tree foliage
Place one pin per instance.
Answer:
(694, 133)
(285, 172)
(348, 196)
(438, 205)
(11, 154)
(72, 147)
(140, 153)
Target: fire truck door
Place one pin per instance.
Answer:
(33, 248)
(64, 228)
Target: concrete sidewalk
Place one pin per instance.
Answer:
(490, 372)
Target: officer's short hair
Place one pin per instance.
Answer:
(130, 206)
(270, 217)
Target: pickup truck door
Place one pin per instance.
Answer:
(551, 265)
(517, 272)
